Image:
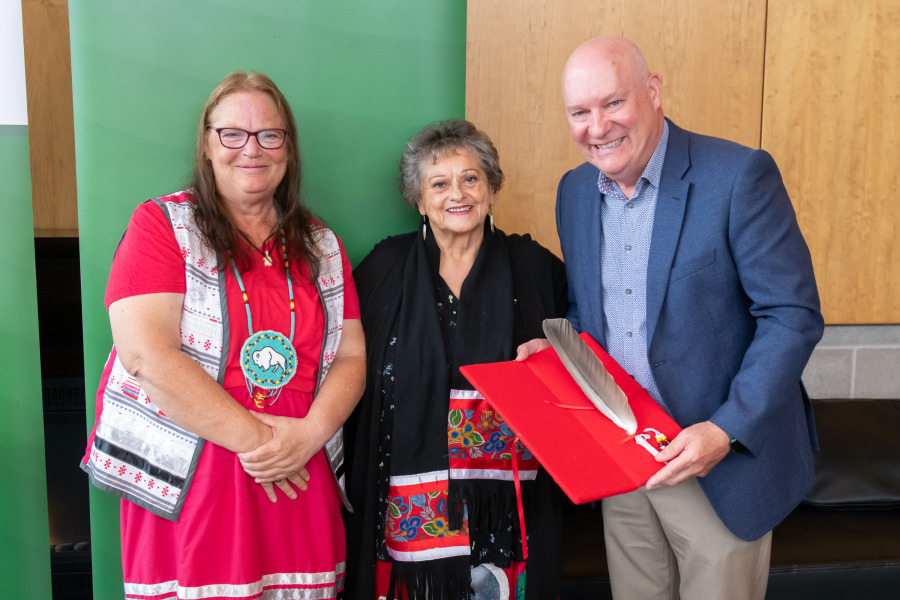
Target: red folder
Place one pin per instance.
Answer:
(589, 456)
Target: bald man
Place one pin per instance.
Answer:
(685, 262)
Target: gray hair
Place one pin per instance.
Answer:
(438, 139)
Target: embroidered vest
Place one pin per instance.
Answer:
(143, 456)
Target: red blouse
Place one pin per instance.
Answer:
(148, 260)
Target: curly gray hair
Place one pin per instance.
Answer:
(436, 140)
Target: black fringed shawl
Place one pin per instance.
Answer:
(513, 286)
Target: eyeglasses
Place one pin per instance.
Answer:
(234, 138)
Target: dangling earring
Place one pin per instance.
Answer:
(424, 226)
(491, 216)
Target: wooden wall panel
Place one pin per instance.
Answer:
(831, 119)
(710, 55)
(51, 133)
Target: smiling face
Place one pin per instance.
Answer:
(250, 174)
(456, 196)
(614, 108)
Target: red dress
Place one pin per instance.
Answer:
(231, 541)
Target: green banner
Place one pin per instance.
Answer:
(24, 530)
(361, 77)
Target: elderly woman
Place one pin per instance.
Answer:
(430, 471)
(229, 305)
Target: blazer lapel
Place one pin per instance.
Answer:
(590, 242)
(673, 195)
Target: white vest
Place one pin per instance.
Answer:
(140, 454)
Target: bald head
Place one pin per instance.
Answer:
(616, 51)
(614, 107)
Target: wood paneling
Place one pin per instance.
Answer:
(828, 110)
(831, 119)
(51, 135)
(710, 55)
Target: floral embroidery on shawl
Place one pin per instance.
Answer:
(416, 527)
(481, 443)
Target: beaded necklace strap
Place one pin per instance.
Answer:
(265, 352)
(246, 298)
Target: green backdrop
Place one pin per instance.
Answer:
(361, 77)
(24, 530)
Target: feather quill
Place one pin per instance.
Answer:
(589, 373)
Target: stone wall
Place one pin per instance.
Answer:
(855, 361)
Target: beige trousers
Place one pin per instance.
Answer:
(668, 543)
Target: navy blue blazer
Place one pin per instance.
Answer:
(732, 314)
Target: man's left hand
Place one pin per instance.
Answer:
(693, 453)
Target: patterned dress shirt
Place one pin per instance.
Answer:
(624, 252)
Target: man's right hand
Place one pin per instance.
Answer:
(530, 347)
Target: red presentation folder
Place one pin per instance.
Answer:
(579, 446)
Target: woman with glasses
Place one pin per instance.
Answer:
(229, 304)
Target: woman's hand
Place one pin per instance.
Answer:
(298, 479)
(294, 441)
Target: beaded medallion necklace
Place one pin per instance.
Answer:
(268, 359)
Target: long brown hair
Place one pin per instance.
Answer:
(212, 215)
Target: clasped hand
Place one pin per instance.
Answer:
(281, 461)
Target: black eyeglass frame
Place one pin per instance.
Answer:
(219, 130)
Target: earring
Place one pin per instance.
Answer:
(424, 226)
(491, 217)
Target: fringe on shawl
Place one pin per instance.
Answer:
(444, 579)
